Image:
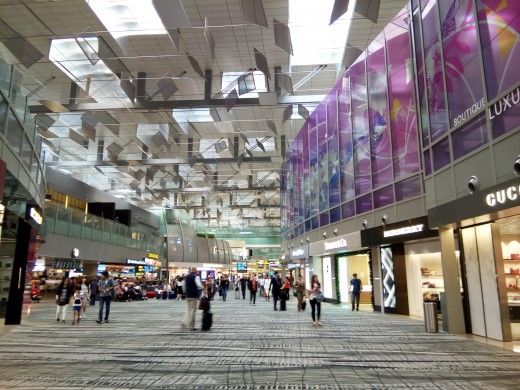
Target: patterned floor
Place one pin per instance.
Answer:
(249, 347)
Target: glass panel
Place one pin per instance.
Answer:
(306, 174)
(427, 162)
(26, 152)
(107, 229)
(434, 72)
(313, 166)
(499, 26)
(348, 210)
(333, 152)
(469, 137)
(14, 133)
(403, 121)
(505, 116)
(315, 222)
(335, 214)
(323, 157)
(383, 197)
(324, 219)
(5, 78)
(358, 83)
(76, 224)
(462, 64)
(441, 154)
(35, 166)
(364, 204)
(345, 142)
(380, 140)
(409, 188)
(421, 78)
(3, 114)
(308, 225)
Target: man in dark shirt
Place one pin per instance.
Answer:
(193, 288)
(275, 288)
(356, 287)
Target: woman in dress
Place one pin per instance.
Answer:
(315, 305)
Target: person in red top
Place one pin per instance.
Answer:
(253, 288)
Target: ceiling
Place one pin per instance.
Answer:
(115, 131)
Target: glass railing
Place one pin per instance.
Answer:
(6, 73)
(74, 223)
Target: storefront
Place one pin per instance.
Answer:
(409, 269)
(487, 227)
(334, 261)
(296, 264)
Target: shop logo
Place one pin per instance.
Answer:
(298, 252)
(503, 196)
(508, 101)
(404, 230)
(341, 243)
(135, 262)
(470, 111)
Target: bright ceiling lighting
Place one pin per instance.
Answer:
(314, 42)
(192, 115)
(128, 17)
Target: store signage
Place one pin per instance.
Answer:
(508, 101)
(297, 252)
(404, 230)
(65, 264)
(503, 196)
(135, 262)
(153, 256)
(341, 243)
(35, 215)
(469, 112)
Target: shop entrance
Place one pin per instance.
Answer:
(347, 264)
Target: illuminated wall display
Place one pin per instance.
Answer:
(341, 243)
(502, 196)
(299, 253)
(36, 215)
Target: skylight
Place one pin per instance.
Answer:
(229, 79)
(314, 42)
(128, 17)
(192, 115)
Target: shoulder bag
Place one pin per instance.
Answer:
(319, 296)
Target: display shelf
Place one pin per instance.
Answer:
(511, 259)
(508, 274)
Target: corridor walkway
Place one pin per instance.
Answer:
(249, 347)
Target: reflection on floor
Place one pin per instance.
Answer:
(250, 346)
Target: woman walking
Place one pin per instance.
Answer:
(63, 294)
(315, 304)
(299, 288)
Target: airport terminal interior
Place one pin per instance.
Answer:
(359, 157)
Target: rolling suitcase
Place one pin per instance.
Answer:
(283, 305)
(207, 320)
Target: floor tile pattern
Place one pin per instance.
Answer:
(145, 346)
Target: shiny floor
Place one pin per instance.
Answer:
(144, 346)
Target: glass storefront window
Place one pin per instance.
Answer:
(408, 188)
(441, 154)
(469, 137)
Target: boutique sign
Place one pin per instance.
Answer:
(503, 196)
(505, 103)
(338, 244)
(299, 253)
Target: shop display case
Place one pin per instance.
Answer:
(432, 286)
(512, 279)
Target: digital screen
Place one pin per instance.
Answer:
(241, 266)
(101, 268)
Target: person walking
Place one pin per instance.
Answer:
(192, 289)
(356, 287)
(261, 285)
(84, 296)
(63, 294)
(93, 290)
(76, 305)
(275, 288)
(106, 286)
(224, 286)
(253, 287)
(243, 285)
(299, 288)
(267, 288)
(315, 304)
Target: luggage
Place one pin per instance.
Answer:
(207, 320)
(237, 294)
(283, 306)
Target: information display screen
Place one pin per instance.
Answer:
(241, 267)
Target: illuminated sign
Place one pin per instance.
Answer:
(135, 262)
(341, 243)
(36, 215)
(404, 230)
(510, 194)
(66, 264)
(153, 256)
(297, 253)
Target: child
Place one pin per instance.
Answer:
(76, 306)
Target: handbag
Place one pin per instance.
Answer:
(304, 304)
(295, 294)
(319, 296)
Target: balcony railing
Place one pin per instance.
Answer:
(74, 223)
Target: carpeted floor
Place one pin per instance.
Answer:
(249, 347)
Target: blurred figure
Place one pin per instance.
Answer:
(63, 294)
